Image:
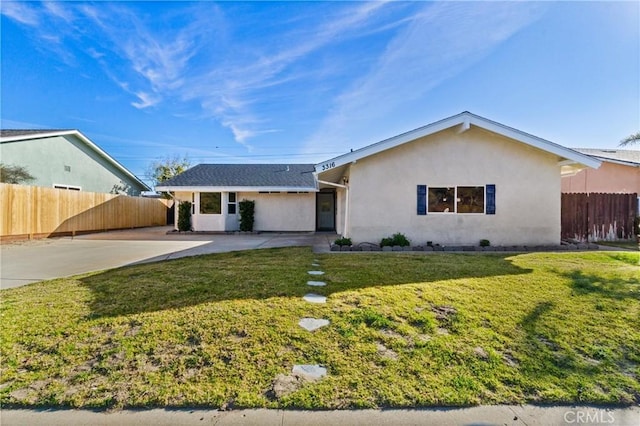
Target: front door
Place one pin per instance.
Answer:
(326, 211)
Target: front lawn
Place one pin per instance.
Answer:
(623, 244)
(406, 330)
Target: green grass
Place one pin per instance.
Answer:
(407, 330)
(623, 244)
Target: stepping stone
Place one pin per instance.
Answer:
(315, 264)
(316, 283)
(311, 324)
(312, 372)
(315, 298)
(316, 273)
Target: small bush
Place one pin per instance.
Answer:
(343, 241)
(485, 243)
(397, 239)
(184, 216)
(247, 215)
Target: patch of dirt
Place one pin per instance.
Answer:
(480, 352)
(423, 337)
(385, 352)
(284, 385)
(444, 313)
(390, 333)
(509, 360)
(29, 394)
(442, 331)
(24, 395)
(548, 343)
(590, 361)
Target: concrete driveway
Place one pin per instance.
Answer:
(31, 261)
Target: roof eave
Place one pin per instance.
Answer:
(196, 188)
(465, 119)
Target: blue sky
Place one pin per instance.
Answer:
(228, 82)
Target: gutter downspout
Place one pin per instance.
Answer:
(346, 204)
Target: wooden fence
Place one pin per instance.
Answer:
(594, 217)
(38, 212)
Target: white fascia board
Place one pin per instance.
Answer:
(534, 141)
(464, 119)
(37, 135)
(390, 143)
(234, 189)
(84, 140)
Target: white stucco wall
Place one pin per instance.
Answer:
(274, 212)
(283, 211)
(383, 187)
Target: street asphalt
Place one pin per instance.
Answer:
(513, 415)
(32, 261)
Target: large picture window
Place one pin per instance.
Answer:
(470, 199)
(442, 200)
(210, 203)
(456, 199)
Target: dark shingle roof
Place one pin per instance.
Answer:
(7, 133)
(243, 175)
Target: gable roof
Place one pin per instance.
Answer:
(17, 135)
(465, 120)
(14, 133)
(243, 177)
(625, 157)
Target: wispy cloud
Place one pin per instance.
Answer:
(196, 59)
(442, 40)
(20, 12)
(231, 91)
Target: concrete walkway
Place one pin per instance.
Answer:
(31, 261)
(515, 415)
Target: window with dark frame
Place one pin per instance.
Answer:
(441, 199)
(210, 203)
(470, 199)
(456, 199)
(231, 205)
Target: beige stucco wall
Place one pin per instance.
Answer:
(382, 194)
(608, 178)
(283, 211)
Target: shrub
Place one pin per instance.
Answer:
(343, 241)
(184, 216)
(485, 243)
(247, 215)
(397, 239)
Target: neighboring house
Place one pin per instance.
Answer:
(284, 195)
(67, 159)
(452, 182)
(619, 173)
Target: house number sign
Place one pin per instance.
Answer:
(327, 166)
